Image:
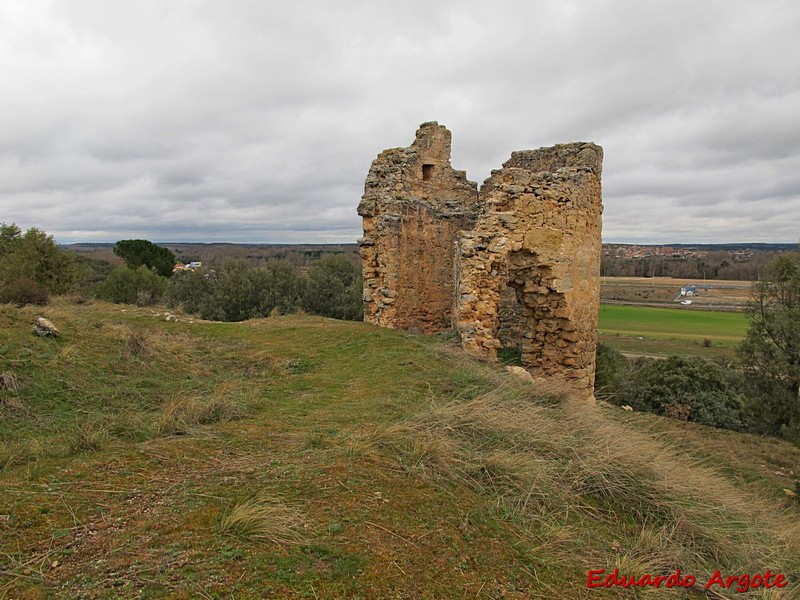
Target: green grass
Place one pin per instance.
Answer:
(300, 457)
(663, 331)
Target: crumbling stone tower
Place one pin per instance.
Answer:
(414, 206)
(516, 265)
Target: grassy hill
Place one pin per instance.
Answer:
(300, 457)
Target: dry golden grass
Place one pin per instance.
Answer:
(266, 519)
(556, 469)
(229, 401)
(8, 381)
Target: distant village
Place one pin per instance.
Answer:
(631, 251)
(700, 261)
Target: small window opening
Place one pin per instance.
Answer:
(427, 172)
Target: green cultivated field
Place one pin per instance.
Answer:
(646, 330)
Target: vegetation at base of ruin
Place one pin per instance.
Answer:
(510, 355)
(298, 456)
(144, 253)
(688, 388)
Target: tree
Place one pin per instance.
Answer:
(136, 253)
(770, 353)
(234, 294)
(32, 265)
(279, 286)
(335, 289)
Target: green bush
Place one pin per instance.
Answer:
(32, 266)
(279, 287)
(335, 289)
(237, 291)
(140, 286)
(689, 388)
(610, 371)
(189, 289)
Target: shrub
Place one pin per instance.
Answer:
(611, 368)
(32, 266)
(22, 291)
(693, 388)
(129, 286)
(233, 293)
(237, 291)
(335, 289)
(279, 288)
(189, 289)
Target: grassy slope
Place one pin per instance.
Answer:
(671, 330)
(162, 459)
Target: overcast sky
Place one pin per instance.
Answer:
(257, 120)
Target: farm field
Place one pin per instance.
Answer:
(665, 291)
(664, 331)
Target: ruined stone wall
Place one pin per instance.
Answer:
(516, 265)
(413, 207)
(539, 235)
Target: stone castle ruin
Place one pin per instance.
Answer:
(515, 264)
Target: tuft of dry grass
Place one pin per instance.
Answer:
(265, 519)
(228, 402)
(88, 436)
(8, 381)
(137, 345)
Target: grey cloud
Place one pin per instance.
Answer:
(257, 121)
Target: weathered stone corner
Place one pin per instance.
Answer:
(514, 265)
(413, 207)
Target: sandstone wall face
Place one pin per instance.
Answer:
(413, 208)
(539, 235)
(517, 264)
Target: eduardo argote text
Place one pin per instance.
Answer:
(598, 578)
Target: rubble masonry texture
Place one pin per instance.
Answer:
(516, 264)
